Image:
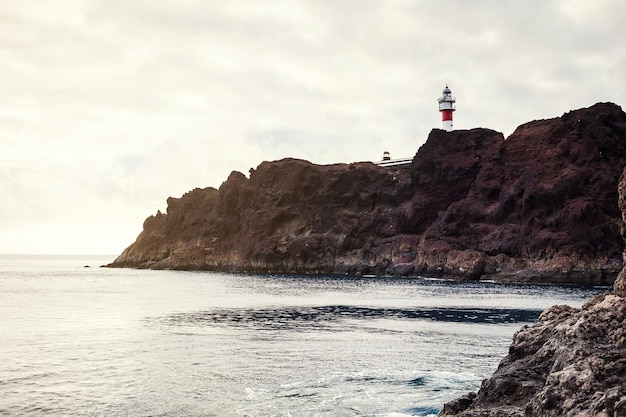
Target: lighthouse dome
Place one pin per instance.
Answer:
(446, 90)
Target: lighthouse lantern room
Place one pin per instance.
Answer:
(446, 107)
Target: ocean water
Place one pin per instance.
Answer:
(120, 342)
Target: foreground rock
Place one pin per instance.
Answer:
(540, 206)
(571, 363)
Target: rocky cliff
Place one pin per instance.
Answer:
(571, 363)
(539, 206)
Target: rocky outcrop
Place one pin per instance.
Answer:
(540, 206)
(289, 216)
(572, 362)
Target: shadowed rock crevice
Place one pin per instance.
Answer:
(540, 206)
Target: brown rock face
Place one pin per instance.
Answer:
(571, 363)
(539, 206)
(619, 287)
(290, 216)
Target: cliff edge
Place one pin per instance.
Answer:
(540, 206)
(572, 362)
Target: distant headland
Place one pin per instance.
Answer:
(540, 206)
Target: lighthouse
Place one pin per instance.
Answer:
(446, 107)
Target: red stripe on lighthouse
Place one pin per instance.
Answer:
(446, 115)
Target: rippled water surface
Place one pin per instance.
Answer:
(118, 342)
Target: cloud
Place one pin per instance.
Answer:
(109, 107)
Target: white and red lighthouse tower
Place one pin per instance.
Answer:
(446, 107)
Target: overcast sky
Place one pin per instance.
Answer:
(108, 107)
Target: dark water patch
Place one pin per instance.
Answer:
(290, 318)
(423, 411)
(417, 382)
(366, 379)
(301, 395)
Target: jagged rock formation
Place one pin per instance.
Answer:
(571, 363)
(539, 206)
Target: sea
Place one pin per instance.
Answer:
(77, 339)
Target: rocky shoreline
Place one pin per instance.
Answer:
(538, 207)
(572, 362)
